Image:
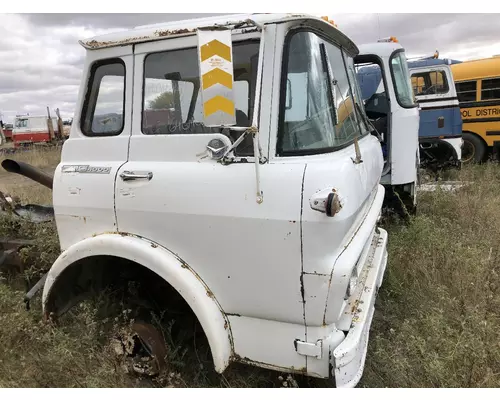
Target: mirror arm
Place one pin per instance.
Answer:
(237, 142)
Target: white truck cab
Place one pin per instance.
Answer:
(384, 80)
(230, 159)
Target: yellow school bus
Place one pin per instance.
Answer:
(478, 91)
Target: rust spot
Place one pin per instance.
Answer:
(225, 325)
(94, 44)
(154, 246)
(210, 294)
(233, 314)
(354, 306)
(184, 265)
(336, 206)
(167, 32)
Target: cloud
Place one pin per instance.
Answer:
(41, 60)
(465, 35)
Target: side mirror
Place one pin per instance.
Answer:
(289, 103)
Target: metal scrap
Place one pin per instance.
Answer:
(143, 349)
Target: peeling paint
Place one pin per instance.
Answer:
(245, 360)
(167, 32)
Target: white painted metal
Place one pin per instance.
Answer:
(84, 203)
(278, 271)
(404, 122)
(167, 266)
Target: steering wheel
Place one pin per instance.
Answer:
(427, 91)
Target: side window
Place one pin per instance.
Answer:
(428, 83)
(308, 110)
(105, 100)
(466, 91)
(490, 89)
(172, 101)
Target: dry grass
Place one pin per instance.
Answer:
(438, 318)
(27, 190)
(437, 322)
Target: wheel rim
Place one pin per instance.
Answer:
(143, 348)
(468, 151)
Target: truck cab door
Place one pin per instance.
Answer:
(440, 117)
(175, 191)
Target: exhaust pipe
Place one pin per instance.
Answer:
(21, 168)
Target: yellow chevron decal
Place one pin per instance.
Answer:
(217, 76)
(215, 48)
(218, 103)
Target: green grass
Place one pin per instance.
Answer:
(437, 322)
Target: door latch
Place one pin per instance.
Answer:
(309, 349)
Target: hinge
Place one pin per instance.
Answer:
(309, 349)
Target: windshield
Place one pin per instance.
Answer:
(402, 82)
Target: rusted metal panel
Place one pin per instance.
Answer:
(189, 27)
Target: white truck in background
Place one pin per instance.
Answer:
(228, 162)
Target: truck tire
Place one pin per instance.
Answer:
(474, 149)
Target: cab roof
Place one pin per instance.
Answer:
(147, 33)
(382, 49)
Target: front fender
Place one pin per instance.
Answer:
(165, 264)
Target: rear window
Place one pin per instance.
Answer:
(105, 100)
(490, 89)
(466, 91)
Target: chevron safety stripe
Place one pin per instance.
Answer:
(216, 76)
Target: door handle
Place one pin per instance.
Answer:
(134, 175)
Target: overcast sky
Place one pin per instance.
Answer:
(41, 60)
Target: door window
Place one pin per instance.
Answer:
(401, 79)
(429, 83)
(172, 99)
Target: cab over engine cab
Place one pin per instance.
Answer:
(440, 130)
(231, 158)
(384, 79)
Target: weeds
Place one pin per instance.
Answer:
(437, 322)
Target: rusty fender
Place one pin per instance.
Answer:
(165, 264)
